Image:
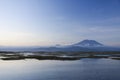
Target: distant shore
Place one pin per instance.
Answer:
(6, 55)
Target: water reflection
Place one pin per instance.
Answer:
(84, 69)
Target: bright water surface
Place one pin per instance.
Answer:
(84, 69)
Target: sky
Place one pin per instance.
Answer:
(51, 22)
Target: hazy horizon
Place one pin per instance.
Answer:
(51, 22)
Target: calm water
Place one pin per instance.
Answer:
(84, 69)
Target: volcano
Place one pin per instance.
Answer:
(89, 43)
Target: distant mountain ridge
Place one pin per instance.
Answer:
(89, 43)
(85, 45)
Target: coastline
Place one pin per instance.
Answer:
(57, 55)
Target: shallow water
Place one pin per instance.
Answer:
(84, 69)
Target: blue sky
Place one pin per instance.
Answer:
(50, 22)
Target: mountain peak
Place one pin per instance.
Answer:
(89, 43)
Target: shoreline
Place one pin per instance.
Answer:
(57, 55)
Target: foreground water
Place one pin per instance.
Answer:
(84, 69)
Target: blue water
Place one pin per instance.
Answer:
(84, 69)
